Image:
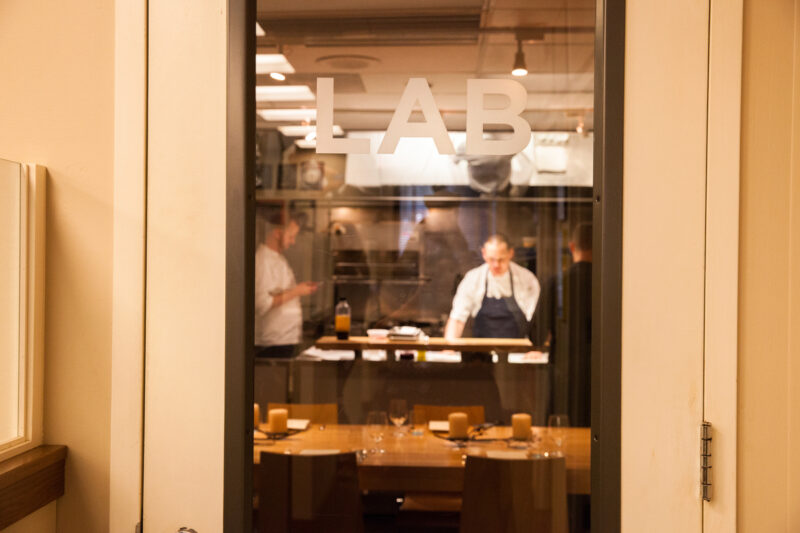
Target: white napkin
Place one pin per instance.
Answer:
(299, 424)
(439, 425)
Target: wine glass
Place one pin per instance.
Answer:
(556, 431)
(376, 426)
(398, 413)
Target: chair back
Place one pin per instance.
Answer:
(309, 494)
(514, 495)
(425, 413)
(317, 413)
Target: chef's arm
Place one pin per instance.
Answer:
(453, 329)
(301, 289)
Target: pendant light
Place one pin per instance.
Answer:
(519, 62)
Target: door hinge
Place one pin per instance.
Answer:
(138, 528)
(705, 460)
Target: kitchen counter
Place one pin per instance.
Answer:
(358, 386)
(430, 343)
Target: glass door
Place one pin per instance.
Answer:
(424, 244)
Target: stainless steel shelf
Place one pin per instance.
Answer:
(265, 197)
(341, 280)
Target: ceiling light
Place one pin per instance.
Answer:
(260, 31)
(306, 145)
(277, 76)
(302, 131)
(266, 63)
(283, 93)
(519, 62)
(287, 115)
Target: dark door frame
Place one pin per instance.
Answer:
(239, 266)
(609, 101)
(607, 280)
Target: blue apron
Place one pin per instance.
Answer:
(500, 317)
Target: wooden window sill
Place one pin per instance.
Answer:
(29, 481)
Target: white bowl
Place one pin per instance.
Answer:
(378, 334)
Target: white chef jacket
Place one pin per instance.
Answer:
(281, 325)
(469, 296)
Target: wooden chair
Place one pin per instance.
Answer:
(317, 413)
(515, 495)
(423, 511)
(309, 494)
(429, 512)
(425, 413)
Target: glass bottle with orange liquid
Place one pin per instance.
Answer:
(342, 324)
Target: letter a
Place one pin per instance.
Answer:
(417, 90)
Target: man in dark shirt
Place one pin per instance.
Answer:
(565, 325)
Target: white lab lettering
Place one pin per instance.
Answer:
(417, 90)
(326, 144)
(478, 116)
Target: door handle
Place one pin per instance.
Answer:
(186, 530)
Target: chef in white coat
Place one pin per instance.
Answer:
(279, 316)
(499, 295)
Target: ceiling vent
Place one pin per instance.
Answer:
(348, 61)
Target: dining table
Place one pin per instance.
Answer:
(415, 459)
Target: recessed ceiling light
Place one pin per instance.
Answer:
(302, 131)
(266, 63)
(277, 76)
(283, 93)
(287, 115)
(259, 30)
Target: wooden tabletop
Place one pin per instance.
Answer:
(427, 462)
(432, 343)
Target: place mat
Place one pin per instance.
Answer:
(319, 452)
(506, 454)
(275, 436)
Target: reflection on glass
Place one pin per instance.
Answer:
(399, 226)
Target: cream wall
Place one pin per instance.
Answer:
(769, 287)
(663, 263)
(56, 109)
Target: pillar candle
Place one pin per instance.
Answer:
(256, 415)
(277, 420)
(521, 426)
(458, 425)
